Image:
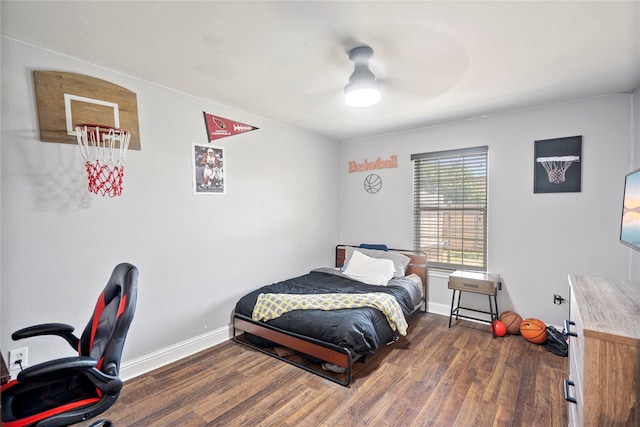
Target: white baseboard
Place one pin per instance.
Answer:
(445, 310)
(437, 308)
(157, 359)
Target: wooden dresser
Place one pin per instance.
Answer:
(604, 352)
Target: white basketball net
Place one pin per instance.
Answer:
(106, 145)
(104, 150)
(557, 166)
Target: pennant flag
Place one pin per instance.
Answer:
(219, 127)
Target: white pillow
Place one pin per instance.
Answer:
(369, 270)
(400, 261)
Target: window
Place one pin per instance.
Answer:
(450, 207)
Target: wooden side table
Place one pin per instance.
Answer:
(477, 283)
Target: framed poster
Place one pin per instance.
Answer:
(557, 165)
(208, 169)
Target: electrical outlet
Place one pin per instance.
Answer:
(15, 355)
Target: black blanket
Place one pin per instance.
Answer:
(362, 330)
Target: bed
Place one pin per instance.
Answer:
(368, 310)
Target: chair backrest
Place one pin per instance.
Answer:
(104, 336)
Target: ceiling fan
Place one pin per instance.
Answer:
(363, 90)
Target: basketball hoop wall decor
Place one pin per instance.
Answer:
(557, 165)
(65, 100)
(104, 149)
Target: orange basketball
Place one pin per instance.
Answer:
(534, 330)
(512, 321)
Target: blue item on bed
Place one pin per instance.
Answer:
(376, 247)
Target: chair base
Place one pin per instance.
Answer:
(102, 423)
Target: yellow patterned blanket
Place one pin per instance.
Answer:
(271, 306)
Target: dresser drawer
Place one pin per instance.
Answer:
(576, 362)
(576, 339)
(471, 281)
(574, 420)
(576, 391)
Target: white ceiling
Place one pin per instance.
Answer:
(438, 61)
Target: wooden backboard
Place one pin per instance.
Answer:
(67, 99)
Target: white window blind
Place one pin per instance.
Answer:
(450, 207)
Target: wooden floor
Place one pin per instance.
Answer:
(435, 376)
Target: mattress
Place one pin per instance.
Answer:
(361, 330)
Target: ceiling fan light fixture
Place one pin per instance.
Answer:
(363, 90)
(362, 95)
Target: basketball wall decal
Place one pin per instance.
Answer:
(372, 183)
(534, 330)
(512, 321)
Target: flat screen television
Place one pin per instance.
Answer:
(630, 227)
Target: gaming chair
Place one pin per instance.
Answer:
(65, 391)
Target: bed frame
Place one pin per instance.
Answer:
(319, 349)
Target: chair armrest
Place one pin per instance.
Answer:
(67, 366)
(57, 368)
(60, 329)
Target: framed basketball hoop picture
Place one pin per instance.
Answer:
(557, 165)
(208, 169)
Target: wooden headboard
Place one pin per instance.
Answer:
(418, 264)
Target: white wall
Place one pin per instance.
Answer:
(634, 269)
(535, 240)
(196, 254)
